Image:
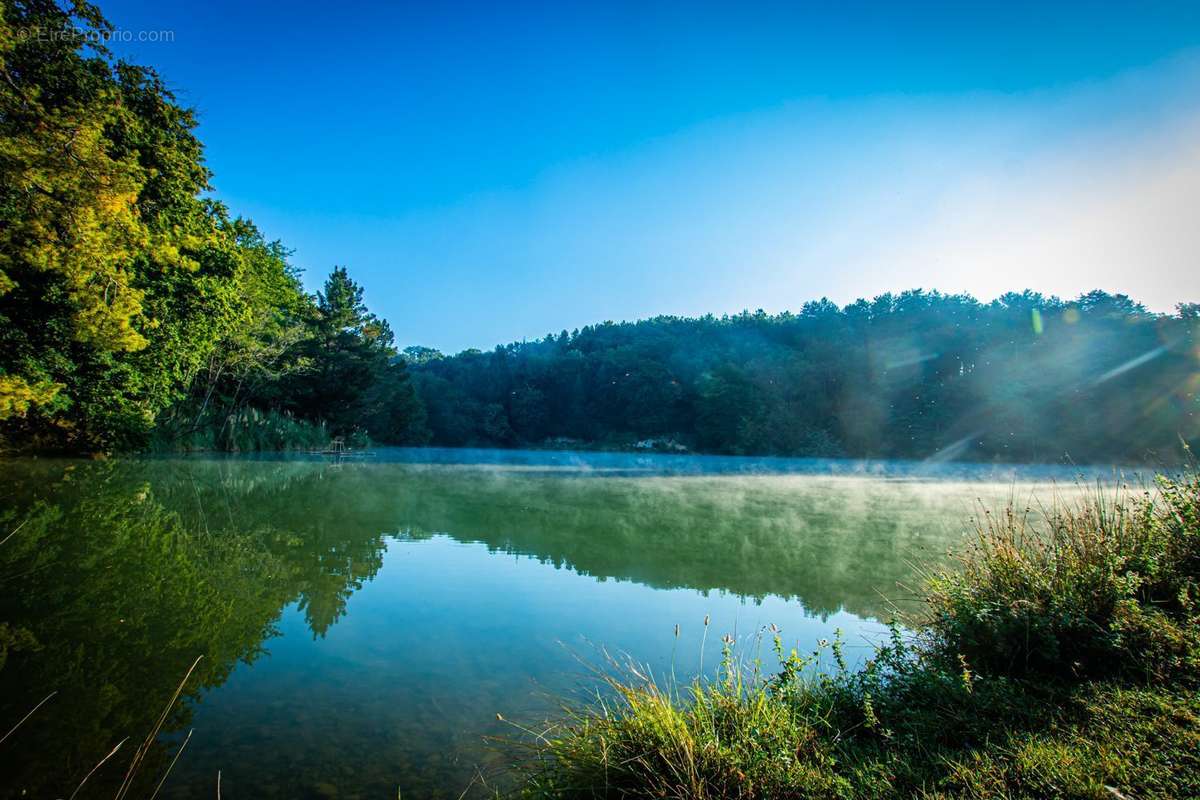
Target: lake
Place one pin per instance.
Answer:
(363, 622)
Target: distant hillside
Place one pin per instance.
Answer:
(913, 375)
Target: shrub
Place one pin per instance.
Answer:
(1103, 587)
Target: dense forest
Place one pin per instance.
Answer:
(914, 375)
(137, 312)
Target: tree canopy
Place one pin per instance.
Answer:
(133, 306)
(914, 375)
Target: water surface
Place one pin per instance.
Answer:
(362, 623)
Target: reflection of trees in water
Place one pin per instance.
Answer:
(831, 543)
(124, 572)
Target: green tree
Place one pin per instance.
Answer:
(119, 284)
(351, 377)
(394, 413)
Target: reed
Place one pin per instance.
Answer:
(246, 430)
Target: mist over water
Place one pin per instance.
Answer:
(363, 622)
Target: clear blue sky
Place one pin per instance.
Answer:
(492, 172)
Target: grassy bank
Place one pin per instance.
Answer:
(1060, 659)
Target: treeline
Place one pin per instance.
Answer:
(134, 310)
(914, 375)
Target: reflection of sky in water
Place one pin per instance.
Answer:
(446, 636)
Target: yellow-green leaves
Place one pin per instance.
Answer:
(100, 227)
(75, 216)
(18, 395)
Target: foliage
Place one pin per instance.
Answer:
(99, 183)
(17, 395)
(130, 305)
(296, 373)
(1110, 587)
(246, 430)
(913, 375)
(351, 376)
(925, 718)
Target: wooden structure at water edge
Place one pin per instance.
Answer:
(338, 449)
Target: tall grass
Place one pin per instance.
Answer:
(1060, 659)
(246, 430)
(1109, 586)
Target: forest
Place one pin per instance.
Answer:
(138, 313)
(911, 375)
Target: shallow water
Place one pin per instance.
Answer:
(362, 623)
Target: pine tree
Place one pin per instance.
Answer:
(354, 380)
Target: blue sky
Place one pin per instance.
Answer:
(492, 172)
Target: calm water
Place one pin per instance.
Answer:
(361, 624)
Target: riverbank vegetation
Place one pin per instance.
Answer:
(1060, 659)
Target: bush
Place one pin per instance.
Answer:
(1104, 587)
